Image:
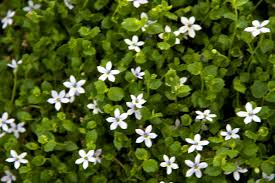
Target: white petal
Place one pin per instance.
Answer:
(191, 33)
(140, 139)
(82, 153)
(236, 176)
(189, 163)
(111, 78)
(13, 153)
(163, 164)
(256, 23)
(103, 77)
(85, 164)
(184, 20)
(168, 170)
(57, 106)
(113, 126)
(191, 148)
(196, 27)
(128, 41)
(197, 158)
(139, 131)
(256, 118)
(109, 65)
(79, 161)
(203, 165)
(190, 172)
(148, 142)
(153, 135)
(242, 114)
(197, 138)
(265, 30)
(248, 119)
(228, 128)
(16, 164)
(148, 129)
(166, 158)
(198, 173)
(123, 125)
(256, 110)
(174, 166)
(256, 33)
(101, 69)
(264, 23)
(250, 29)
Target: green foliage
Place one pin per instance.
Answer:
(225, 67)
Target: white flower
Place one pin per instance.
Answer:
(137, 72)
(189, 26)
(14, 64)
(169, 164)
(134, 44)
(205, 115)
(74, 86)
(8, 19)
(147, 23)
(97, 156)
(250, 113)
(31, 6)
(146, 136)
(138, 101)
(4, 122)
(195, 167)
(16, 129)
(133, 110)
(183, 80)
(8, 177)
(85, 158)
(58, 98)
(258, 28)
(236, 173)
(17, 159)
(137, 3)
(266, 177)
(197, 144)
(117, 120)
(107, 72)
(167, 29)
(94, 107)
(230, 134)
(68, 4)
(71, 98)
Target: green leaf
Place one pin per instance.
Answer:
(195, 68)
(120, 140)
(270, 97)
(186, 120)
(213, 171)
(101, 87)
(239, 3)
(250, 148)
(131, 24)
(150, 166)
(38, 160)
(155, 84)
(229, 167)
(141, 154)
(259, 89)
(89, 33)
(163, 45)
(239, 86)
(115, 94)
(32, 146)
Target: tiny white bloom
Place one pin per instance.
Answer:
(85, 158)
(230, 134)
(134, 44)
(195, 167)
(107, 72)
(236, 173)
(16, 129)
(137, 3)
(137, 72)
(8, 177)
(183, 80)
(4, 122)
(58, 98)
(168, 29)
(97, 156)
(31, 6)
(177, 123)
(146, 136)
(74, 86)
(197, 143)
(17, 159)
(68, 4)
(14, 64)
(94, 107)
(148, 22)
(189, 26)
(138, 100)
(169, 164)
(250, 113)
(118, 120)
(205, 115)
(133, 110)
(8, 19)
(258, 28)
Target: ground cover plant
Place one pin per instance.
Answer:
(137, 91)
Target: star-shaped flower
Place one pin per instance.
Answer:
(205, 115)
(58, 98)
(250, 113)
(146, 136)
(69, 4)
(14, 64)
(134, 44)
(17, 159)
(118, 120)
(8, 177)
(107, 72)
(4, 122)
(258, 28)
(31, 6)
(189, 26)
(148, 22)
(137, 72)
(16, 129)
(137, 3)
(197, 144)
(85, 158)
(236, 173)
(94, 107)
(168, 29)
(8, 19)
(230, 134)
(195, 167)
(74, 86)
(169, 164)
(138, 101)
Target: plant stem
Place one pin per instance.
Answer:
(202, 83)
(234, 33)
(14, 85)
